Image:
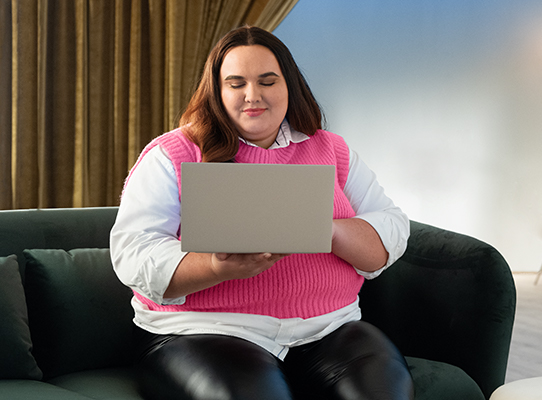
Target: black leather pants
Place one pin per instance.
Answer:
(356, 362)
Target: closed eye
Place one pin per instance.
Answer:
(237, 81)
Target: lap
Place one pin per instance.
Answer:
(213, 367)
(354, 362)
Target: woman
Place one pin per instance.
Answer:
(257, 326)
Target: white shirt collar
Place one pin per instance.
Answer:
(285, 136)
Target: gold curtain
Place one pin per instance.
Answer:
(85, 84)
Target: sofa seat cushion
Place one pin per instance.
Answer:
(16, 359)
(432, 380)
(19, 389)
(110, 384)
(438, 380)
(79, 312)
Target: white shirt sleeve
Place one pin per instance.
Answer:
(145, 245)
(369, 202)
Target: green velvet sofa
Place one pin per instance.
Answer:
(66, 320)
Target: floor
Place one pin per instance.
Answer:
(526, 349)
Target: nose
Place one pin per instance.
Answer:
(252, 93)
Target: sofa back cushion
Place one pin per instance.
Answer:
(16, 359)
(54, 228)
(79, 312)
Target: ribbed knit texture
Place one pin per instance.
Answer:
(300, 285)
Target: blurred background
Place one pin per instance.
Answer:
(443, 100)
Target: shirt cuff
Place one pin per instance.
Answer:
(176, 301)
(179, 301)
(372, 274)
(392, 233)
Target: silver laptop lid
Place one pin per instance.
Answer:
(255, 208)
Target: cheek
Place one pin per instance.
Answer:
(286, 101)
(281, 100)
(228, 100)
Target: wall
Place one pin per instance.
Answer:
(443, 100)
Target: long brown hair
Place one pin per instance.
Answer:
(205, 118)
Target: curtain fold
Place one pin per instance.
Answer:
(85, 84)
(6, 79)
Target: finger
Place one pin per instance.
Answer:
(276, 257)
(280, 256)
(221, 256)
(259, 256)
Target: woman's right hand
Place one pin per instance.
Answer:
(229, 266)
(198, 271)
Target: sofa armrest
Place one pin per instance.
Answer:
(450, 298)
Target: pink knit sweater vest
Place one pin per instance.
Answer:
(300, 285)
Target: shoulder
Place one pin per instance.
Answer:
(331, 137)
(333, 141)
(340, 152)
(177, 146)
(174, 137)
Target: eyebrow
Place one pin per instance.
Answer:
(238, 77)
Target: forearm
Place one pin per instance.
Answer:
(192, 275)
(357, 242)
(198, 271)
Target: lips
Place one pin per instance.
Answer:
(254, 112)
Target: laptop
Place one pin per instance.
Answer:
(256, 208)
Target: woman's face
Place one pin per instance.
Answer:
(254, 93)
